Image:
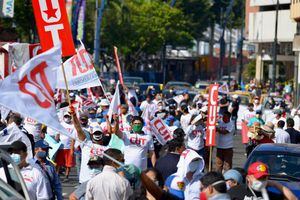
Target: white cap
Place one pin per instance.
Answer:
(196, 119)
(104, 102)
(235, 96)
(204, 109)
(96, 128)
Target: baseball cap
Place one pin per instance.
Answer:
(234, 175)
(104, 102)
(259, 112)
(235, 96)
(258, 170)
(18, 146)
(84, 116)
(42, 144)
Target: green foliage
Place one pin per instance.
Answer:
(249, 70)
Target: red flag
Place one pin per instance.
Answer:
(245, 130)
(212, 115)
(118, 65)
(53, 25)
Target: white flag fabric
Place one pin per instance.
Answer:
(161, 131)
(80, 72)
(7, 8)
(4, 112)
(224, 88)
(115, 104)
(30, 90)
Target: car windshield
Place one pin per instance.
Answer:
(133, 80)
(178, 85)
(278, 163)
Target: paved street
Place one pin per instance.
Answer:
(239, 159)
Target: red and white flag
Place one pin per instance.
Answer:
(53, 25)
(30, 90)
(161, 131)
(80, 72)
(212, 115)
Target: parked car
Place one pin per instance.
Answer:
(283, 161)
(174, 88)
(12, 185)
(143, 87)
(202, 85)
(132, 81)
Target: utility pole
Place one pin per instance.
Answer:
(241, 44)
(229, 56)
(275, 49)
(97, 41)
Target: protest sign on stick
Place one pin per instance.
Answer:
(118, 65)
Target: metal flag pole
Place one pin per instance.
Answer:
(210, 159)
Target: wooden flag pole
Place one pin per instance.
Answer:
(66, 83)
(210, 159)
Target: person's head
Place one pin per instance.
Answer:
(179, 133)
(280, 124)
(155, 176)
(18, 152)
(72, 96)
(250, 107)
(186, 95)
(160, 106)
(256, 100)
(137, 124)
(158, 96)
(104, 104)
(258, 114)
(242, 171)
(212, 183)
(257, 176)
(67, 118)
(114, 153)
(184, 108)
(278, 114)
(92, 113)
(176, 146)
(97, 135)
(84, 119)
(148, 98)
(235, 97)
(290, 122)
(124, 109)
(95, 165)
(193, 167)
(232, 178)
(41, 149)
(224, 96)
(16, 118)
(226, 116)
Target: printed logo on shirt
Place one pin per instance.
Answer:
(137, 141)
(196, 132)
(97, 151)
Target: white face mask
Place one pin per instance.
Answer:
(67, 120)
(160, 107)
(256, 101)
(258, 185)
(227, 186)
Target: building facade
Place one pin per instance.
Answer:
(260, 30)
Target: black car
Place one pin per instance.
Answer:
(283, 161)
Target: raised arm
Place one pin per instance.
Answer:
(80, 133)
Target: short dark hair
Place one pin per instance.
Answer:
(179, 133)
(250, 105)
(114, 153)
(158, 175)
(175, 143)
(228, 114)
(16, 117)
(290, 122)
(212, 177)
(280, 124)
(134, 118)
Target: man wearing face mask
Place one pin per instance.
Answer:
(89, 147)
(137, 143)
(65, 155)
(109, 184)
(92, 116)
(224, 143)
(37, 184)
(213, 187)
(256, 103)
(41, 149)
(257, 183)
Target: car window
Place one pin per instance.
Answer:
(279, 163)
(7, 192)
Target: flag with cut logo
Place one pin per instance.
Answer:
(30, 90)
(161, 131)
(114, 107)
(80, 72)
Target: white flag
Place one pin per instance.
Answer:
(80, 72)
(30, 90)
(7, 8)
(115, 103)
(4, 112)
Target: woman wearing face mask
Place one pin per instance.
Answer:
(37, 183)
(257, 183)
(256, 103)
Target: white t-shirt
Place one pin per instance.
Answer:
(275, 121)
(225, 141)
(144, 105)
(65, 140)
(86, 153)
(257, 107)
(33, 128)
(185, 120)
(281, 136)
(248, 115)
(37, 184)
(136, 148)
(195, 136)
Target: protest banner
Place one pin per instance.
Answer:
(161, 130)
(212, 119)
(80, 72)
(53, 25)
(7, 8)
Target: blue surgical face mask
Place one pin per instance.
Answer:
(16, 158)
(94, 171)
(41, 154)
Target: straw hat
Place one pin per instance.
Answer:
(268, 127)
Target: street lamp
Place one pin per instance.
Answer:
(275, 49)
